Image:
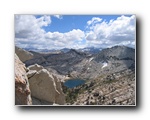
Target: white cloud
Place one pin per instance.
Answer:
(75, 34)
(114, 32)
(94, 20)
(58, 16)
(67, 39)
(28, 26)
(28, 30)
(29, 33)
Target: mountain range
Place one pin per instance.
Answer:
(86, 49)
(103, 69)
(86, 65)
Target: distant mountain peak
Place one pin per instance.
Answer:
(116, 52)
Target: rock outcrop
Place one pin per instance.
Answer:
(22, 91)
(45, 86)
(23, 54)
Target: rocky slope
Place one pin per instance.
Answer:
(22, 91)
(62, 62)
(107, 61)
(109, 89)
(116, 53)
(23, 54)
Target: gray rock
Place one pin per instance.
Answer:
(22, 91)
(36, 101)
(45, 86)
(35, 67)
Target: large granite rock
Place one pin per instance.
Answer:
(22, 91)
(59, 98)
(44, 85)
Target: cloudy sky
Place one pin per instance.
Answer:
(74, 31)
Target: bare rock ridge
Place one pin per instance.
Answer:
(23, 54)
(44, 85)
(76, 63)
(116, 53)
(22, 90)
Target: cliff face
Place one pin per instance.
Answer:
(45, 86)
(22, 91)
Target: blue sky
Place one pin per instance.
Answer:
(69, 22)
(74, 31)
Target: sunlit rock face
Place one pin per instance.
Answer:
(22, 90)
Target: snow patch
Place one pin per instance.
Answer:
(104, 65)
(91, 59)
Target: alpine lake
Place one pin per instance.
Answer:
(71, 83)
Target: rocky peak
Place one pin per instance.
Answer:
(76, 52)
(116, 53)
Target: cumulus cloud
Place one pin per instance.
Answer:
(114, 32)
(30, 27)
(94, 21)
(67, 39)
(29, 33)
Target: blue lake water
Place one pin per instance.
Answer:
(73, 83)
